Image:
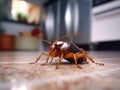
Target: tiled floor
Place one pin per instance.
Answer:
(17, 74)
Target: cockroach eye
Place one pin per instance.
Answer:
(55, 44)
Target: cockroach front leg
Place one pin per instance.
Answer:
(59, 61)
(44, 53)
(84, 52)
(46, 61)
(53, 56)
(51, 60)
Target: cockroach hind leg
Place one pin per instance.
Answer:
(78, 66)
(102, 64)
(94, 61)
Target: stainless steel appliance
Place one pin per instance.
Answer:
(68, 16)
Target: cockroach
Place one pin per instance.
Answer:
(65, 50)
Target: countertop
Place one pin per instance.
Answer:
(17, 74)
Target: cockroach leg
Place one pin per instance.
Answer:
(80, 55)
(94, 61)
(39, 57)
(59, 61)
(45, 62)
(53, 56)
(84, 52)
(75, 59)
(51, 60)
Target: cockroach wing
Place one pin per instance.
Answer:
(73, 48)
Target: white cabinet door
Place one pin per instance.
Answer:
(106, 22)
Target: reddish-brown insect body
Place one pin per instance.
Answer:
(67, 51)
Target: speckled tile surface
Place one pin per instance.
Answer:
(17, 74)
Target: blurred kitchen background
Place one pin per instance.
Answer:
(24, 23)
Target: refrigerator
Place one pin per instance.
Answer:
(63, 17)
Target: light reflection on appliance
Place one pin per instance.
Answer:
(76, 16)
(49, 23)
(68, 17)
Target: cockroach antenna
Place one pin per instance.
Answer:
(68, 35)
(46, 41)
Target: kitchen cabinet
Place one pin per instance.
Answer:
(106, 22)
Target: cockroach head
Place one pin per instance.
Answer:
(58, 45)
